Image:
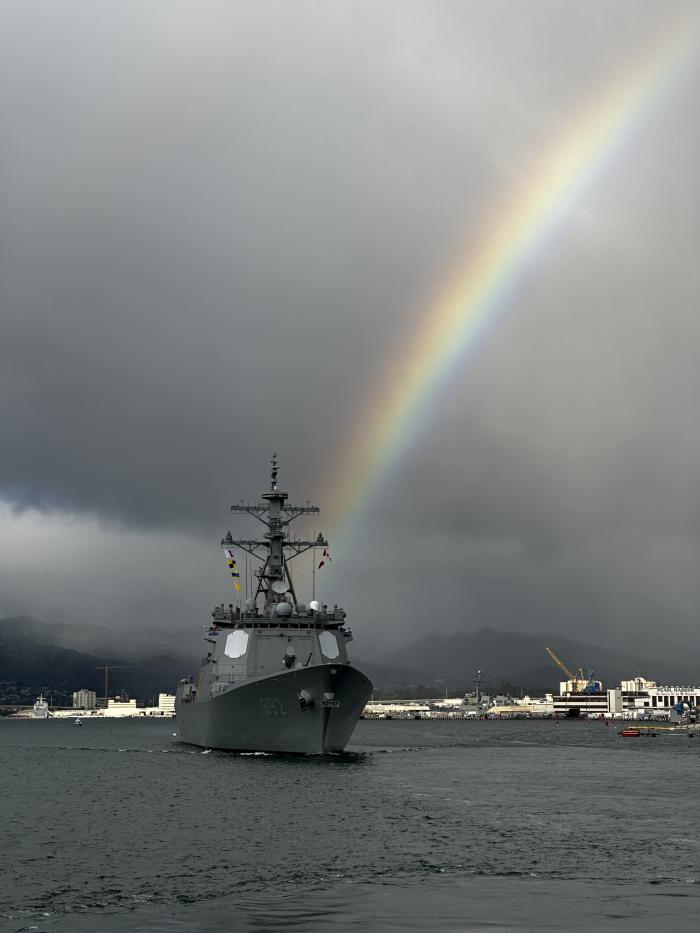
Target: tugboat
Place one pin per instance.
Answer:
(276, 677)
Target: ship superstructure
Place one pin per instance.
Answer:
(276, 676)
(40, 710)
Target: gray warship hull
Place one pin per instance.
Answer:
(310, 710)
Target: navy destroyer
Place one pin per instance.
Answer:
(276, 676)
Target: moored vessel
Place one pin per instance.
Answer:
(276, 676)
(40, 710)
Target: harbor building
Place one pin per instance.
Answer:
(165, 707)
(644, 698)
(115, 709)
(396, 709)
(166, 704)
(638, 698)
(84, 699)
(580, 704)
(120, 708)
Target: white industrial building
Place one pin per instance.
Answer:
(120, 708)
(116, 708)
(638, 698)
(645, 698)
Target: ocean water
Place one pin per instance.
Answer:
(420, 826)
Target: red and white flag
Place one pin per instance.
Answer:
(324, 557)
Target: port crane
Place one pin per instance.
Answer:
(581, 681)
(558, 661)
(111, 667)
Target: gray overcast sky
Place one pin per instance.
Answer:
(217, 222)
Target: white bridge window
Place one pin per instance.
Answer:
(236, 644)
(329, 645)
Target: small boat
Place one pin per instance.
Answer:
(630, 733)
(77, 721)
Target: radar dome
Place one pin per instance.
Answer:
(283, 609)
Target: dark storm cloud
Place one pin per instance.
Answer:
(196, 253)
(217, 218)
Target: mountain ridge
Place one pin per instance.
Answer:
(34, 656)
(43, 655)
(520, 658)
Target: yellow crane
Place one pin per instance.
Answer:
(558, 661)
(580, 681)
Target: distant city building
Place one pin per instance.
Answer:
(651, 699)
(635, 698)
(84, 699)
(166, 704)
(121, 707)
(637, 685)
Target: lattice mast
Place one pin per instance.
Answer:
(278, 549)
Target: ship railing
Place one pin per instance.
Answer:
(220, 682)
(231, 617)
(299, 622)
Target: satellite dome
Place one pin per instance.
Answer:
(250, 604)
(301, 608)
(314, 605)
(283, 609)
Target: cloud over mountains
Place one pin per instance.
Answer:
(218, 222)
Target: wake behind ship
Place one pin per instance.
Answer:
(276, 677)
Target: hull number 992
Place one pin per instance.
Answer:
(272, 706)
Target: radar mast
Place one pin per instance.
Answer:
(278, 548)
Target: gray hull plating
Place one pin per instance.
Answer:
(309, 710)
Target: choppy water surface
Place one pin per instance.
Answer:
(447, 826)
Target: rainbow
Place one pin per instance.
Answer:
(484, 285)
